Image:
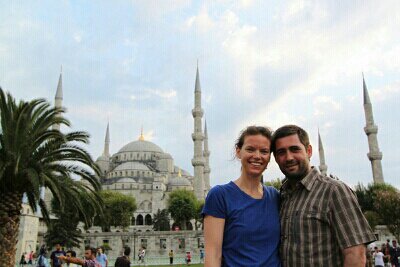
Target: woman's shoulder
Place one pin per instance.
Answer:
(271, 190)
(221, 189)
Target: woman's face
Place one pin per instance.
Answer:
(254, 155)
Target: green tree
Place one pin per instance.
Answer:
(32, 156)
(388, 205)
(64, 229)
(277, 183)
(161, 220)
(182, 206)
(198, 224)
(118, 209)
(366, 196)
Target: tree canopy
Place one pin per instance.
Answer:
(182, 206)
(388, 205)
(33, 155)
(118, 209)
(161, 220)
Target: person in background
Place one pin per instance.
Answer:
(42, 261)
(201, 256)
(71, 254)
(394, 254)
(89, 261)
(101, 257)
(188, 258)
(54, 257)
(378, 258)
(241, 218)
(124, 260)
(171, 257)
(22, 261)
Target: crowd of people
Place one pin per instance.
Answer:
(388, 255)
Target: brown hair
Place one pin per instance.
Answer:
(252, 130)
(288, 130)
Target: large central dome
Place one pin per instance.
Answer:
(141, 146)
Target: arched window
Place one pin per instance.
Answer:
(148, 220)
(139, 220)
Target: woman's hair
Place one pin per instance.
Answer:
(253, 130)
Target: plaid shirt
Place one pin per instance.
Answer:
(320, 218)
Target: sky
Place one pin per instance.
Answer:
(270, 63)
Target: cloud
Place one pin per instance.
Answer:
(385, 92)
(160, 93)
(324, 105)
(202, 21)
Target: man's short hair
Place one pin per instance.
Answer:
(288, 130)
(73, 253)
(127, 251)
(92, 249)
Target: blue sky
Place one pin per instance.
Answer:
(261, 62)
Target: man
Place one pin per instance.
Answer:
(394, 254)
(54, 257)
(101, 257)
(89, 261)
(321, 221)
(71, 253)
(124, 261)
(378, 258)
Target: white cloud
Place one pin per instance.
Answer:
(385, 92)
(77, 37)
(202, 21)
(167, 94)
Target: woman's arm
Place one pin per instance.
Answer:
(213, 236)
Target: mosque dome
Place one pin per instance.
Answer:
(103, 158)
(179, 181)
(132, 165)
(141, 146)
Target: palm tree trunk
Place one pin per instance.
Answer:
(10, 210)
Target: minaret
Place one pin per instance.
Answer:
(322, 166)
(106, 151)
(58, 98)
(371, 130)
(206, 155)
(197, 136)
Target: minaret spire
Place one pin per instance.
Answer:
(141, 137)
(198, 137)
(371, 130)
(206, 155)
(107, 142)
(322, 166)
(58, 98)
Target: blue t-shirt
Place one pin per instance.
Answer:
(102, 258)
(252, 228)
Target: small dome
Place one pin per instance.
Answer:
(131, 165)
(179, 181)
(165, 156)
(141, 146)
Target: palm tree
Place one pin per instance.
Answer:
(33, 156)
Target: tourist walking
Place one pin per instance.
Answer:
(41, 260)
(89, 261)
(241, 218)
(22, 261)
(378, 258)
(54, 257)
(394, 254)
(201, 256)
(321, 221)
(171, 257)
(101, 257)
(188, 258)
(124, 260)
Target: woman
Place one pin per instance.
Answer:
(241, 218)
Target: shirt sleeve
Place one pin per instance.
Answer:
(348, 222)
(215, 204)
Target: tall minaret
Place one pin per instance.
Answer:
(371, 130)
(322, 166)
(206, 154)
(198, 137)
(106, 151)
(58, 98)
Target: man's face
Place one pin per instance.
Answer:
(99, 250)
(292, 157)
(88, 254)
(58, 247)
(394, 243)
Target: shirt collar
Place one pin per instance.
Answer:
(307, 182)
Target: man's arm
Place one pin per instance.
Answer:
(354, 256)
(72, 260)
